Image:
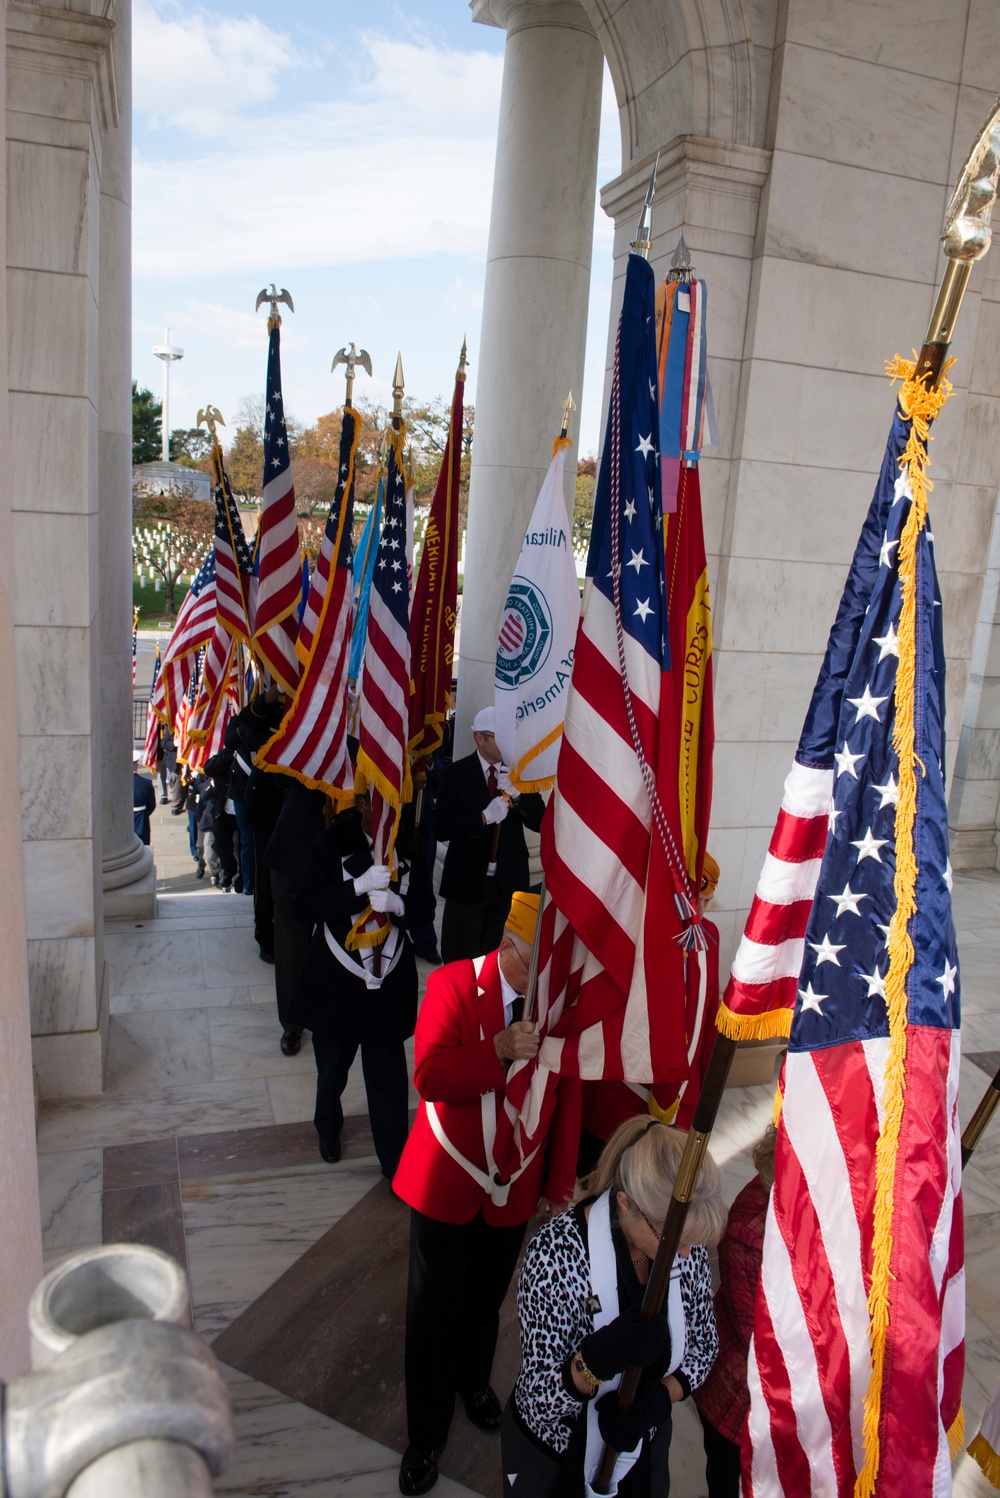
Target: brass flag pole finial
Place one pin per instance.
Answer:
(274, 296)
(681, 268)
(568, 407)
(463, 360)
(211, 417)
(642, 243)
(397, 392)
(352, 357)
(966, 238)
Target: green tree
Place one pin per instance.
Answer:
(146, 438)
(190, 446)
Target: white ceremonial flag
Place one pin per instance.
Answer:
(537, 637)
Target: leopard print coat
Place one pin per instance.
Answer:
(552, 1305)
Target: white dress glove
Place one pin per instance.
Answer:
(377, 877)
(494, 811)
(386, 902)
(507, 786)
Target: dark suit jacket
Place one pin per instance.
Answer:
(458, 821)
(327, 997)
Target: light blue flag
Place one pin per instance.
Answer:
(364, 566)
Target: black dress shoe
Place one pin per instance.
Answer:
(291, 1043)
(483, 1408)
(418, 1471)
(330, 1151)
(266, 956)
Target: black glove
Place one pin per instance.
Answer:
(625, 1341)
(650, 1407)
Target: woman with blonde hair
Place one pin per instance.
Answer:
(579, 1294)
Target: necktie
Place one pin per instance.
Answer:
(491, 782)
(517, 1010)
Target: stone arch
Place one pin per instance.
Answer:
(686, 68)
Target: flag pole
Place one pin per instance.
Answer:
(976, 1127)
(966, 238)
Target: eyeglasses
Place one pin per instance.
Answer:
(657, 1235)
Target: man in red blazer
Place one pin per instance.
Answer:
(466, 1229)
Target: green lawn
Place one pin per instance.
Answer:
(150, 603)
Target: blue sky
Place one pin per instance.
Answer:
(345, 152)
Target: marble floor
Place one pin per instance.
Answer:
(202, 1143)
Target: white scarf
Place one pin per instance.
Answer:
(604, 1286)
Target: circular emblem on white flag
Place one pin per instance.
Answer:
(525, 633)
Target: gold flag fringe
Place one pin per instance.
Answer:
(767, 1026)
(982, 1452)
(956, 1433)
(920, 406)
(340, 796)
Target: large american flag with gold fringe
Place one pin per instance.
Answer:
(855, 1368)
(383, 756)
(193, 628)
(611, 985)
(233, 606)
(279, 572)
(311, 743)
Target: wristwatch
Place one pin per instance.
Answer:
(583, 1372)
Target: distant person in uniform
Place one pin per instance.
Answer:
(143, 800)
(346, 997)
(482, 819)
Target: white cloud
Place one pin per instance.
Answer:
(400, 169)
(195, 70)
(231, 326)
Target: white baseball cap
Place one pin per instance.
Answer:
(485, 721)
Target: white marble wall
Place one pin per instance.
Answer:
(18, 1179)
(61, 100)
(815, 225)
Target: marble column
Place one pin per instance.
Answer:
(22, 1267)
(128, 876)
(61, 100)
(535, 301)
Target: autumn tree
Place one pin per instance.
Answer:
(146, 438)
(170, 536)
(583, 505)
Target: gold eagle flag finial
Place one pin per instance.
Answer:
(966, 238)
(352, 357)
(274, 296)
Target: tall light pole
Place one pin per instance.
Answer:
(169, 356)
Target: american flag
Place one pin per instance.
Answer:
(233, 562)
(233, 568)
(194, 627)
(279, 573)
(611, 990)
(383, 758)
(311, 743)
(856, 1363)
(152, 719)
